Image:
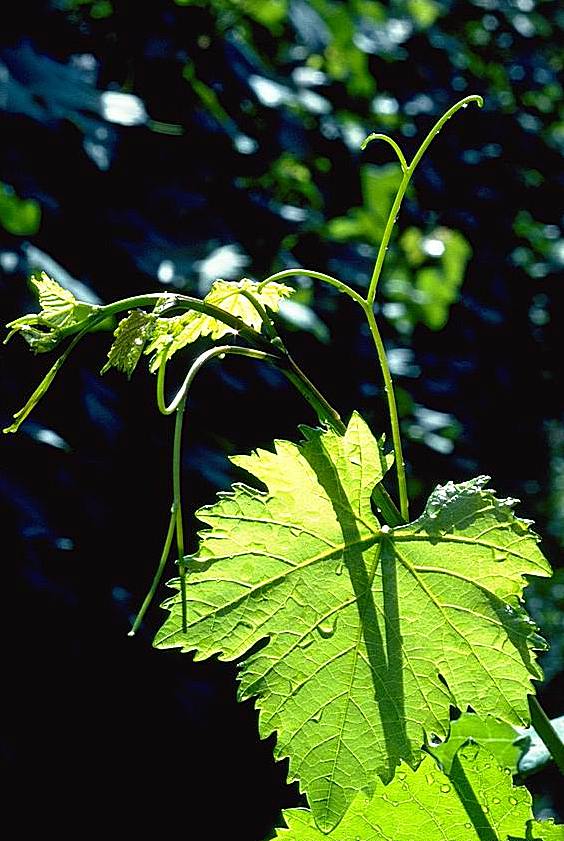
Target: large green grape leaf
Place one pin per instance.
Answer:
(477, 802)
(362, 636)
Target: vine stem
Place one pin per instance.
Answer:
(176, 302)
(392, 410)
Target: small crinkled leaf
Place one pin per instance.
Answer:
(478, 801)
(497, 737)
(362, 635)
(172, 334)
(129, 340)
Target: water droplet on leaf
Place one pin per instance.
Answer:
(445, 788)
(327, 629)
(306, 642)
(496, 800)
(513, 801)
(430, 779)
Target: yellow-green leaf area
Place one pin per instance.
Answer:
(477, 802)
(362, 635)
(229, 296)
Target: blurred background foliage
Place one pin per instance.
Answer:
(157, 146)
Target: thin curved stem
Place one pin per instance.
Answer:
(393, 144)
(386, 237)
(404, 185)
(177, 503)
(392, 409)
(326, 278)
(158, 574)
(463, 103)
(197, 365)
(178, 405)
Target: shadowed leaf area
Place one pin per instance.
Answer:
(349, 611)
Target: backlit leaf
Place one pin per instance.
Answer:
(362, 635)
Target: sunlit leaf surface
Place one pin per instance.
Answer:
(362, 635)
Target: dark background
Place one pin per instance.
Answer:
(234, 154)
